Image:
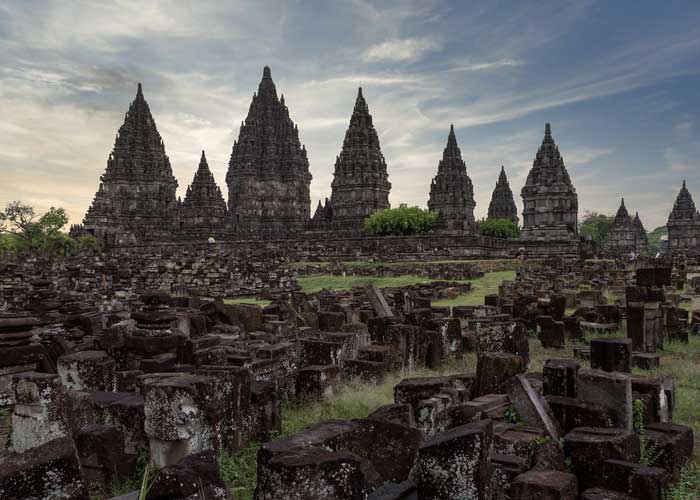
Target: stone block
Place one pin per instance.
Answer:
(589, 448)
(102, 456)
(87, 371)
(454, 464)
(640, 481)
(196, 475)
(646, 360)
(612, 391)
(50, 471)
(413, 390)
(504, 469)
(604, 494)
(612, 355)
(317, 380)
(494, 368)
(544, 485)
(572, 413)
(559, 377)
(530, 407)
(550, 332)
(673, 444)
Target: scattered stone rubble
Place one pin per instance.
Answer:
(87, 388)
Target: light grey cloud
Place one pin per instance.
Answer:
(401, 49)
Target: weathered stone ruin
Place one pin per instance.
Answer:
(502, 204)
(96, 372)
(136, 196)
(268, 177)
(550, 203)
(451, 190)
(683, 223)
(360, 184)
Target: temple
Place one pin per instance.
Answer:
(451, 190)
(204, 208)
(268, 178)
(550, 202)
(622, 237)
(502, 204)
(360, 184)
(642, 238)
(683, 223)
(136, 197)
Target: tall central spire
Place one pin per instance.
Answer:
(268, 177)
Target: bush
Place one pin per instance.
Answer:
(401, 221)
(88, 243)
(499, 228)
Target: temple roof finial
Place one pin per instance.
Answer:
(547, 130)
(138, 89)
(266, 72)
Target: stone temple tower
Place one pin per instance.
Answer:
(683, 223)
(204, 208)
(360, 184)
(641, 234)
(550, 201)
(268, 178)
(622, 237)
(136, 197)
(451, 191)
(502, 204)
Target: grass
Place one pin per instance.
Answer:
(481, 287)
(317, 282)
(247, 300)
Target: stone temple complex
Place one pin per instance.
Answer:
(268, 186)
(360, 184)
(549, 198)
(136, 196)
(683, 223)
(502, 204)
(451, 190)
(268, 178)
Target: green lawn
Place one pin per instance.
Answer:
(317, 282)
(481, 287)
(247, 300)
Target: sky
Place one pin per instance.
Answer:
(618, 81)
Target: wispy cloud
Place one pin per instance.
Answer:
(486, 65)
(401, 49)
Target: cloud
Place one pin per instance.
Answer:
(486, 65)
(401, 49)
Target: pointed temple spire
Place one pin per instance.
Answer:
(683, 222)
(360, 184)
(550, 202)
(204, 205)
(451, 191)
(623, 235)
(502, 204)
(268, 177)
(641, 234)
(136, 197)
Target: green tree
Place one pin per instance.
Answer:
(400, 221)
(20, 223)
(596, 226)
(654, 238)
(499, 228)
